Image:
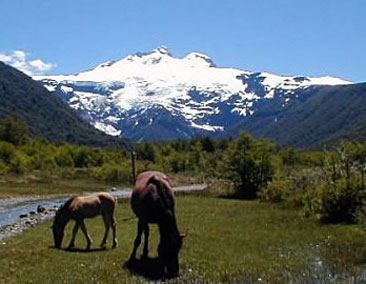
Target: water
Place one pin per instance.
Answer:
(12, 208)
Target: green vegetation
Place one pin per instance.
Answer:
(277, 238)
(247, 163)
(228, 240)
(329, 185)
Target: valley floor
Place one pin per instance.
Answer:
(228, 241)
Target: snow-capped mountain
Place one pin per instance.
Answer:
(158, 96)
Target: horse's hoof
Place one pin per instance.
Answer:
(128, 264)
(131, 260)
(115, 245)
(172, 275)
(70, 247)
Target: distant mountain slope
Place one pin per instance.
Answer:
(156, 96)
(46, 115)
(319, 115)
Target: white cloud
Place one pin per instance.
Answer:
(19, 60)
(41, 65)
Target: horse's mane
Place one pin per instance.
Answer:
(61, 210)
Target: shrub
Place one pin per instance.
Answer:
(113, 173)
(276, 191)
(340, 201)
(7, 152)
(63, 158)
(85, 157)
(13, 130)
(19, 164)
(247, 163)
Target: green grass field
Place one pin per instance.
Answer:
(229, 241)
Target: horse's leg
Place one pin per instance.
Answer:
(114, 230)
(137, 240)
(145, 252)
(107, 225)
(88, 238)
(74, 232)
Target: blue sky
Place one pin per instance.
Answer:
(289, 37)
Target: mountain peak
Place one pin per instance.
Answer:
(200, 56)
(162, 49)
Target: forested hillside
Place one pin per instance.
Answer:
(319, 116)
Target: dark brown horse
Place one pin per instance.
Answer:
(80, 207)
(153, 201)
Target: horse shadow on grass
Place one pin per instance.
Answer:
(85, 250)
(150, 268)
(80, 249)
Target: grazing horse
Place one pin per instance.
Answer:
(153, 201)
(80, 207)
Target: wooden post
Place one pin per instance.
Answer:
(133, 154)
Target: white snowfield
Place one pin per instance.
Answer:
(138, 82)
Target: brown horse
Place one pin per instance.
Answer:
(153, 201)
(80, 207)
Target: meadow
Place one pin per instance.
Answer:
(228, 241)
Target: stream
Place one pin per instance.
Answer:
(18, 213)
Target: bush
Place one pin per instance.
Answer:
(276, 191)
(7, 152)
(339, 202)
(13, 130)
(63, 158)
(247, 164)
(19, 164)
(113, 173)
(85, 157)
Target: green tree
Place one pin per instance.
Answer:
(247, 163)
(13, 130)
(146, 151)
(208, 144)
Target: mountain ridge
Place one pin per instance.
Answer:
(126, 96)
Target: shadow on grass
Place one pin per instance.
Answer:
(85, 250)
(147, 267)
(81, 250)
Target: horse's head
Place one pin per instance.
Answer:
(168, 251)
(58, 229)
